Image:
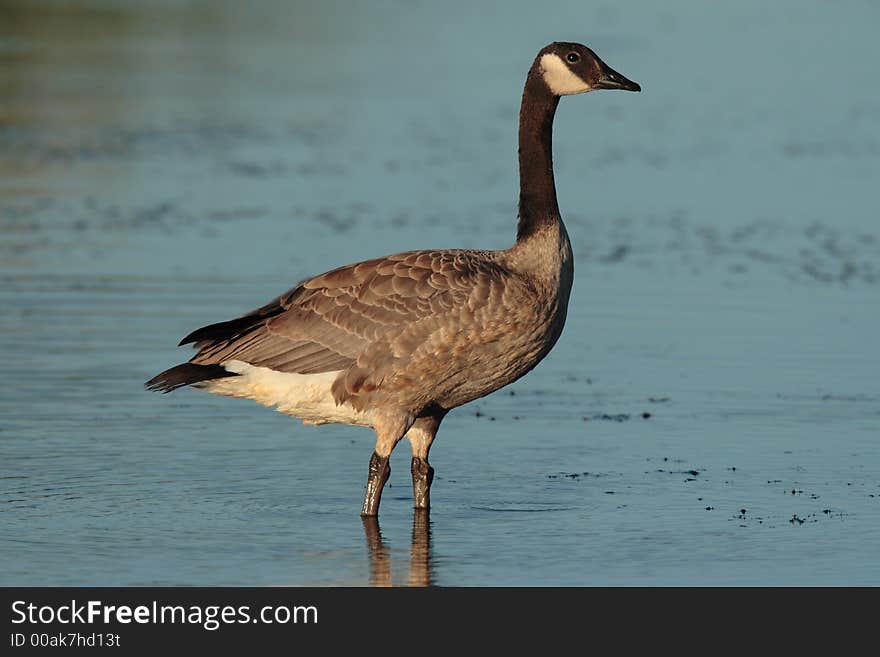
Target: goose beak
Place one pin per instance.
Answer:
(611, 79)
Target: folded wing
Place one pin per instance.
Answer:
(329, 322)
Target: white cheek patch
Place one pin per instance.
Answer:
(559, 78)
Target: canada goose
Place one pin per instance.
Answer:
(395, 343)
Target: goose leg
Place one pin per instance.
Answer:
(390, 428)
(421, 435)
(380, 470)
(422, 476)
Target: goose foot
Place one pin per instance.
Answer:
(422, 476)
(380, 470)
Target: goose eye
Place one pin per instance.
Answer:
(573, 57)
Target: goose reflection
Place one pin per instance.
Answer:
(420, 551)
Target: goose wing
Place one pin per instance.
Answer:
(329, 322)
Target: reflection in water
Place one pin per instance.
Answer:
(380, 562)
(420, 552)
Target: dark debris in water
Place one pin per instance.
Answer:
(30, 219)
(616, 417)
(796, 519)
(848, 398)
(573, 475)
(820, 253)
(692, 474)
(118, 143)
(667, 459)
(607, 417)
(256, 169)
(616, 255)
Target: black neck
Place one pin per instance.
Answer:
(537, 191)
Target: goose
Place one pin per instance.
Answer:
(396, 342)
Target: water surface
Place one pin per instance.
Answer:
(710, 416)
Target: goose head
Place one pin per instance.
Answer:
(572, 68)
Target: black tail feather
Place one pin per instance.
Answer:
(233, 327)
(221, 330)
(186, 374)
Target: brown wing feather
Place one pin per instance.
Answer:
(350, 318)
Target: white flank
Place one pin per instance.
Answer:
(561, 80)
(304, 396)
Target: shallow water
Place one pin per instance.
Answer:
(711, 414)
